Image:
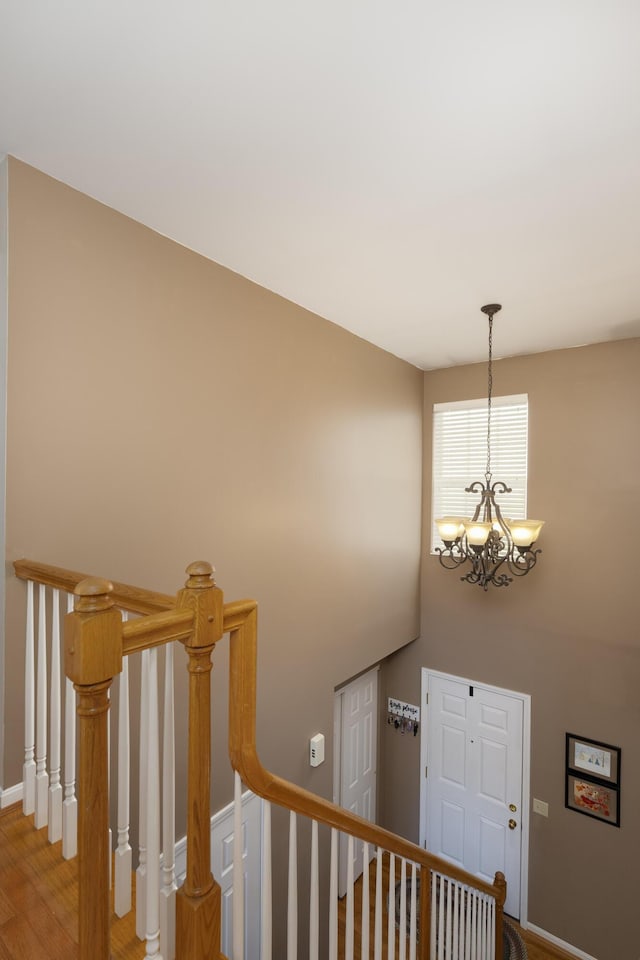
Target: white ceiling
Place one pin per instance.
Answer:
(391, 166)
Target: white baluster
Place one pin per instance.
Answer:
(468, 936)
(333, 897)
(123, 858)
(109, 831)
(485, 953)
(449, 915)
(477, 941)
(348, 934)
(238, 872)
(153, 815)
(70, 805)
(141, 872)
(413, 915)
(364, 941)
(377, 939)
(169, 886)
(55, 787)
(391, 918)
(42, 777)
(266, 925)
(441, 917)
(29, 767)
(292, 909)
(314, 899)
(474, 928)
(492, 929)
(402, 940)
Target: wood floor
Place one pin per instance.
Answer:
(39, 896)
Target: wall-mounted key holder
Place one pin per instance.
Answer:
(403, 716)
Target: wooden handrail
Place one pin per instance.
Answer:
(156, 629)
(129, 598)
(241, 622)
(164, 622)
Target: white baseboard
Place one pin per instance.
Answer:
(556, 941)
(10, 795)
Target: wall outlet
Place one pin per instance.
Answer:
(539, 806)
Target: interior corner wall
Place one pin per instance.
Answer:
(163, 409)
(567, 634)
(4, 273)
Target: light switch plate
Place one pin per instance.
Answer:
(539, 806)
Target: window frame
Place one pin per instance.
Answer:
(475, 468)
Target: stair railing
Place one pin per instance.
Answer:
(96, 643)
(458, 914)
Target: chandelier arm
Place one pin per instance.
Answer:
(476, 487)
(499, 486)
(521, 562)
(452, 555)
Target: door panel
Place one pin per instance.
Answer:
(452, 837)
(359, 718)
(453, 756)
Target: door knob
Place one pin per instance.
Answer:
(512, 807)
(512, 824)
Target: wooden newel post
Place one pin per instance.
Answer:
(425, 913)
(198, 899)
(93, 656)
(500, 884)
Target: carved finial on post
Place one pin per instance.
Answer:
(200, 575)
(93, 656)
(198, 905)
(93, 594)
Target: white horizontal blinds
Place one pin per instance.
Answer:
(460, 456)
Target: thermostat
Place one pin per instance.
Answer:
(316, 750)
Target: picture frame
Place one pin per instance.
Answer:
(593, 760)
(593, 799)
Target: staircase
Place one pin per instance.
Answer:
(456, 916)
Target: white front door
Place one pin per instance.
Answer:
(358, 760)
(474, 780)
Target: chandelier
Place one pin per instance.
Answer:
(489, 543)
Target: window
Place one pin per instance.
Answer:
(460, 456)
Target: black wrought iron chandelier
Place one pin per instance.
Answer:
(493, 546)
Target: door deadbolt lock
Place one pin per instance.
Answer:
(512, 807)
(512, 824)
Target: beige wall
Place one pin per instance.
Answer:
(163, 409)
(567, 634)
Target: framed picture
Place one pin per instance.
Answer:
(592, 759)
(593, 799)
